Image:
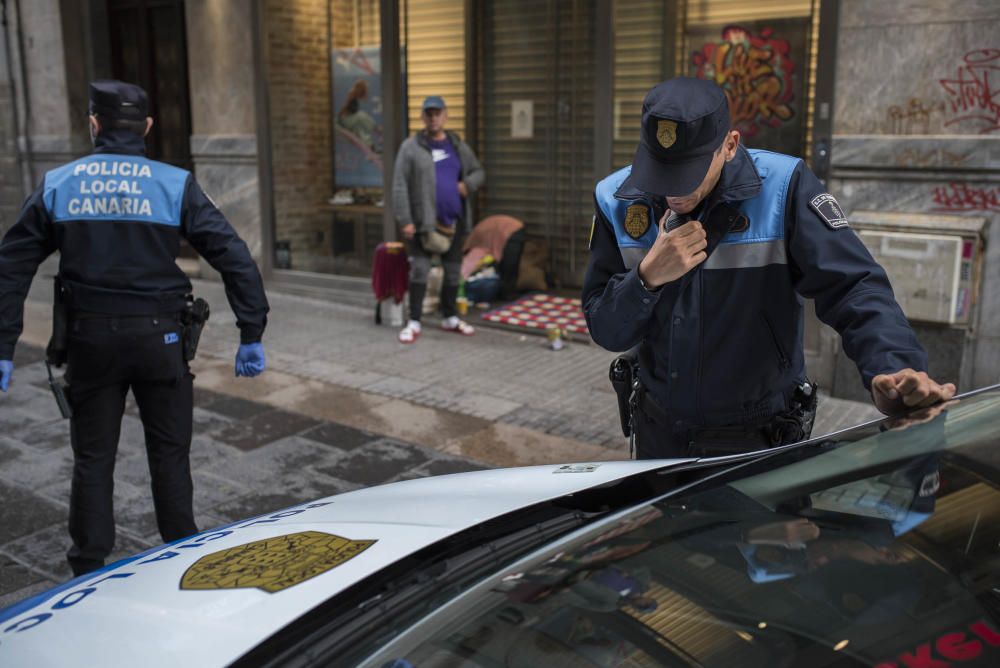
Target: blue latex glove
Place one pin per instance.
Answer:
(250, 360)
(6, 371)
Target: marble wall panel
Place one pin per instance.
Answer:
(952, 153)
(916, 79)
(879, 13)
(223, 108)
(987, 365)
(220, 60)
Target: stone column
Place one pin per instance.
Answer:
(223, 126)
(43, 85)
(55, 129)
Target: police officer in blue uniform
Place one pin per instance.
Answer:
(702, 253)
(117, 219)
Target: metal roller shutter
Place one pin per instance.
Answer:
(640, 26)
(435, 58)
(541, 51)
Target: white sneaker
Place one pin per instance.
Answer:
(453, 324)
(410, 333)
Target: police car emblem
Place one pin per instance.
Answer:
(666, 132)
(272, 564)
(827, 208)
(636, 220)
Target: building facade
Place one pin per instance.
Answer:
(289, 113)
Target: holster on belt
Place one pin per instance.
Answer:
(193, 319)
(796, 423)
(55, 352)
(624, 374)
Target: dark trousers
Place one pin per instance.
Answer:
(420, 265)
(107, 357)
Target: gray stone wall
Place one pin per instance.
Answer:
(224, 140)
(914, 131)
(11, 190)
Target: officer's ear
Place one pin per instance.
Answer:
(149, 125)
(730, 144)
(95, 125)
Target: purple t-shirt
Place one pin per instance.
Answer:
(447, 172)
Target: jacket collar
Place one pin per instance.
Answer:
(120, 140)
(422, 139)
(740, 179)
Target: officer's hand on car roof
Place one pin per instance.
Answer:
(894, 393)
(250, 360)
(673, 254)
(6, 371)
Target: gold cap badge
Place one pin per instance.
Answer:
(273, 564)
(636, 220)
(666, 132)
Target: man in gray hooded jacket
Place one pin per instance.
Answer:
(435, 174)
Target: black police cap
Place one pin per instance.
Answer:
(118, 100)
(684, 121)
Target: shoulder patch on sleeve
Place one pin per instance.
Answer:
(828, 209)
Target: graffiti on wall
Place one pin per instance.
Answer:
(959, 197)
(756, 70)
(971, 93)
(912, 118)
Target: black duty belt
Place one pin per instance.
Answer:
(82, 298)
(723, 439)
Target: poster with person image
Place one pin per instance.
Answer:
(357, 102)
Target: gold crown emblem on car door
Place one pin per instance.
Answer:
(273, 564)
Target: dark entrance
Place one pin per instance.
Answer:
(149, 48)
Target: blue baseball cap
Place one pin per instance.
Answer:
(684, 121)
(433, 102)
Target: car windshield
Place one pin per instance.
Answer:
(879, 551)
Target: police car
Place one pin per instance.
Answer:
(876, 546)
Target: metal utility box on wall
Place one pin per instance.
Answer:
(935, 263)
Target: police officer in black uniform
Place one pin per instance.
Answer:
(117, 219)
(701, 254)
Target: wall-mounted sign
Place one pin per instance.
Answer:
(522, 119)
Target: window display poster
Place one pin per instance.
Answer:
(357, 102)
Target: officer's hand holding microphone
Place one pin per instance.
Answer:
(250, 360)
(6, 371)
(673, 254)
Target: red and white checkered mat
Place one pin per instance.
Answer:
(541, 311)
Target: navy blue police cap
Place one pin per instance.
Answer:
(433, 102)
(118, 100)
(684, 121)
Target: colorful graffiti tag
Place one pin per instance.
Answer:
(958, 197)
(971, 93)
(755, 71)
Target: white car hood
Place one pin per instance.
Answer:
(208, 599)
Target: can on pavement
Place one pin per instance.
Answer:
(555, 337)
